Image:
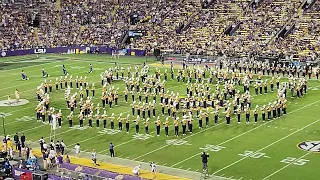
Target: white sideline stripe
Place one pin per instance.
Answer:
(41, 61)
(243, 133)
(269, 145)
(4, 71)
(59, 133)
(29, 129)
(22, 84)
(287, 165)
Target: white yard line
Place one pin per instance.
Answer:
(28, 129)
(287, 165)
(5, 71)
(212, 127)
(243, 133)
(269, 145)
(28, 81)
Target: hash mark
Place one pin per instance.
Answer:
(240, 178)
(188, 169)
(197, 170)
(180, 167)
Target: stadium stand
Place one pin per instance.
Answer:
(304, 37)
(229, 27)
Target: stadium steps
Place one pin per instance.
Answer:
(286, 23)
(36, 35)
(82, 28)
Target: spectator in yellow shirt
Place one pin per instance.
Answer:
(9, 143)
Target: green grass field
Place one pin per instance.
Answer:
(266, 150)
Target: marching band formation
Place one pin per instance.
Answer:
(212, 94)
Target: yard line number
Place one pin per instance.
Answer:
(109, 131)
(295, 161)
(141, 136)
(25, 118)
(253, 154)
(177, 142)
(211, 147)
(5, 114)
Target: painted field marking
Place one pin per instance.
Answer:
(287, 165)
(28, 129)
(4, 71)
(268, 145)
(60, 133)
(28, 82)
(241, 133)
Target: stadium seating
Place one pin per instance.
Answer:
(181, 25)
(304, 39)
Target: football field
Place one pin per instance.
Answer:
(284, 148)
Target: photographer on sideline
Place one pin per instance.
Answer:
(204, 157)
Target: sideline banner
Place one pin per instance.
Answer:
(72, 50)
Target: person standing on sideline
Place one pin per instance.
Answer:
(4, 140)
(111, 149)
(77, 149)
(153, 169)
(62, 147)
(23, 138)
(204, 157)
(94, 157)
(16, 140)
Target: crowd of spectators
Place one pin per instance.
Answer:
(305, 35)
(181, 25)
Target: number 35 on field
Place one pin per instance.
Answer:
(295, 161)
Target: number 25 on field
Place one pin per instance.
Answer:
(295, 161)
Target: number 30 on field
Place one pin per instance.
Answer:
(295, 161)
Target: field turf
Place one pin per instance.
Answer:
(266, 150)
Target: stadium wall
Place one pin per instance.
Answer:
(73, 50)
